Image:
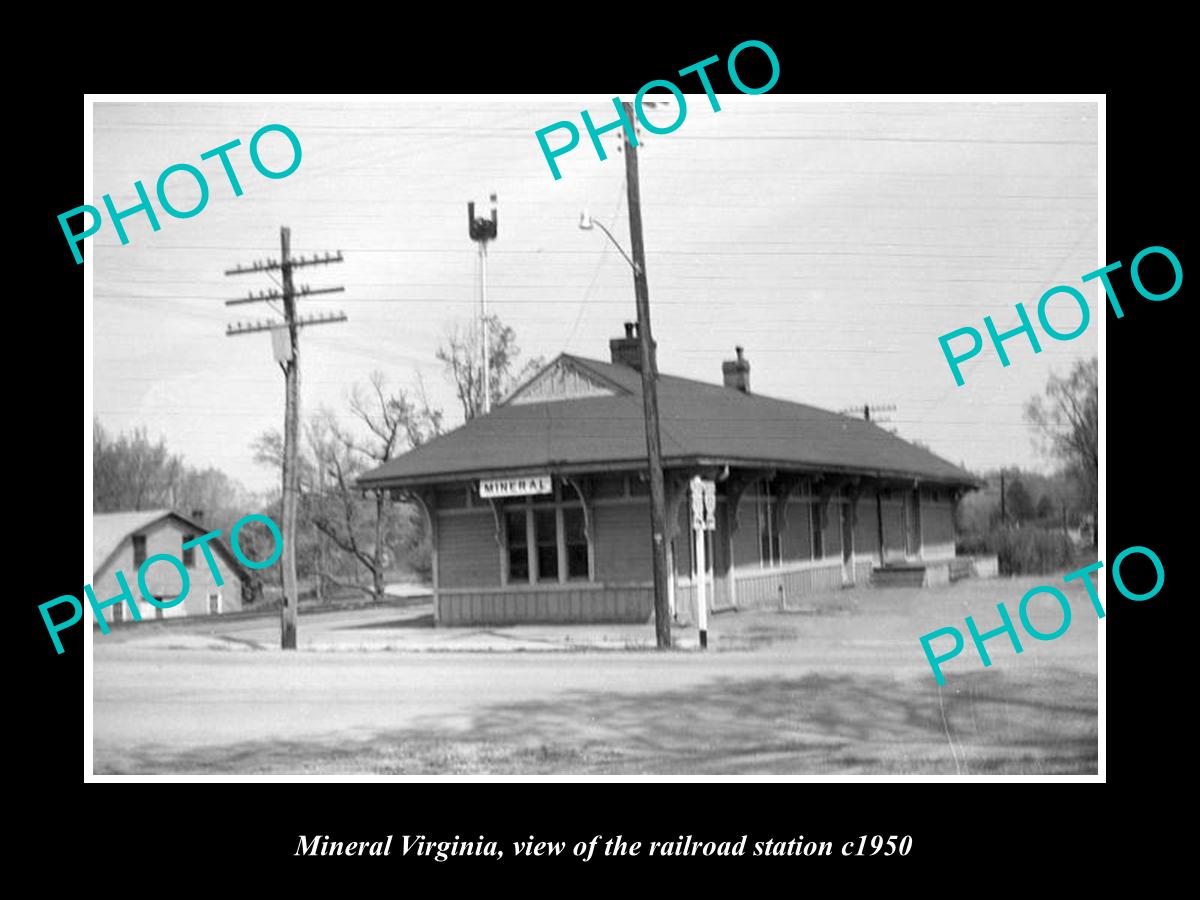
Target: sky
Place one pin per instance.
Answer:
(834, 241)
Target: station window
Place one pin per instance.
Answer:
(556, 525)
(544, 522)
(518, 545)
(189, 553)
(768, 527)
(575, 536)
(814, 511)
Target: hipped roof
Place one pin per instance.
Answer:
(700, 423)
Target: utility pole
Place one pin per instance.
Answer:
(658, 500)
(481, 231)
(1003, 514)
(286, 342)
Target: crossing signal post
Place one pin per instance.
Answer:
(286, 341)
(704, 511)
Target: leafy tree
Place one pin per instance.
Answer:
(1019, 503)
(1066, 421)
(129, 472)
(462, 357)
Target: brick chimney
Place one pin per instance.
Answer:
(737, 372)
(626, 351)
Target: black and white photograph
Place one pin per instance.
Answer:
(743, 435)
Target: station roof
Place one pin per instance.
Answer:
(700, 424)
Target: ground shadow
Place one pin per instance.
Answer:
(421, 621)
(1041, 722)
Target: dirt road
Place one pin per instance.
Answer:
(844, 693)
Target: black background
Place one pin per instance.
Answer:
(249, 831)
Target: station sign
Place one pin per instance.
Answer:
(515, 487)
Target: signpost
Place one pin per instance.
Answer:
(704, 508)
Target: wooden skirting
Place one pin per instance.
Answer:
(546, 604)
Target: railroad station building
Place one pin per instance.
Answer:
(540, 510)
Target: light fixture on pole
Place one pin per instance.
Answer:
(587, 223)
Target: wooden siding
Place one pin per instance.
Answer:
(866, 532)
(746, 549)
(682, 551)
(630, 603)
(468, 561)
(937, 529)
(893, 529)
(468, 555)
(832, 532)
(623, 542)
(560, 381)
(797, 537)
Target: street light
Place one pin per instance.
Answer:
(587, 223)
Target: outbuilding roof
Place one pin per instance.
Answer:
(111, 530)
(700, 423)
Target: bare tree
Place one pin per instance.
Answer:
(464, 367)
(360, 529)
(1066, 419)
(393, 421)
(333, 505)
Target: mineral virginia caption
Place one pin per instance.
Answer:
(440, 851)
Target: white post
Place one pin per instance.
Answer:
(701, 578)
(671, 579)
(701, 587)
